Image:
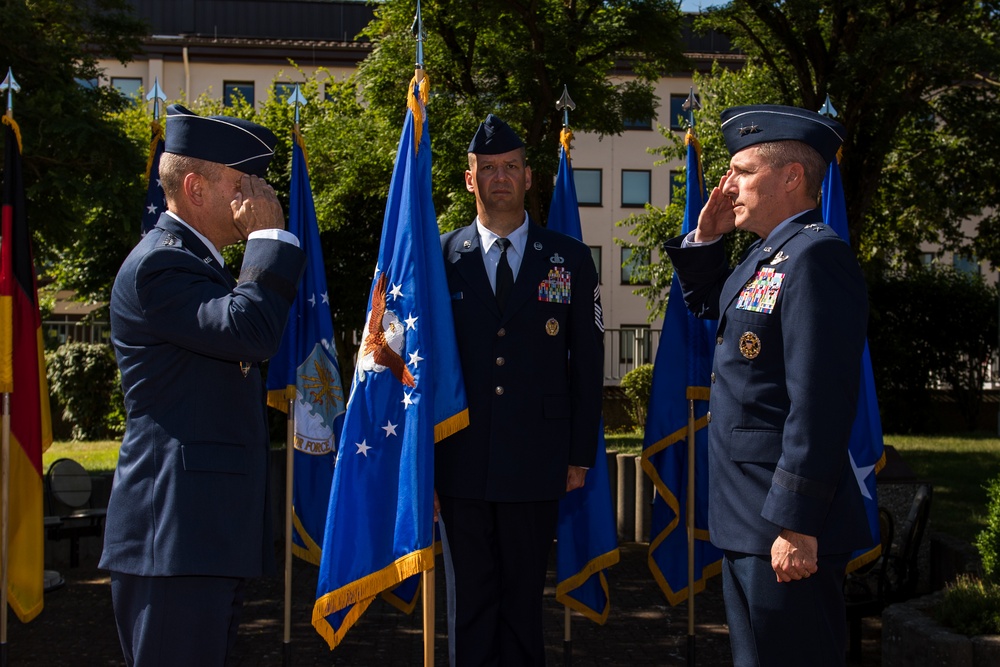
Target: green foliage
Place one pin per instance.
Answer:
(83, 377)
(988, 541)
(916, 339)
(83, 177)
(637, 385)
(971, 607)
(513, 59)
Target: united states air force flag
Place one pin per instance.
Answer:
(587, 539)
(407, 394)
(156, 201)
(681, 373)
(305, 371)
(866, 447)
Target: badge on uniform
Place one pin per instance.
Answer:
(552, 326)
(760, 294)
(750, 345)
(556, 287)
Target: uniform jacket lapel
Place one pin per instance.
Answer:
(532, 265)
(467, 258)
(193, 244)
(761, 252)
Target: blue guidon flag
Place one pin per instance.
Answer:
(681, 373)
(305, 371)
(407, 395)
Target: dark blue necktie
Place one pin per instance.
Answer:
(505, 277)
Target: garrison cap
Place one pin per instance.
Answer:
(760, 123)
(494, 137)
(233, 142)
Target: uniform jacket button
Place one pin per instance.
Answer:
(713, 377)
(499, 391)
(718, 340)
(708, 416)
(502, 332)
(500, 361)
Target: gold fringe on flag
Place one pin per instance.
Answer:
(157, 131)
(7, 120)
(297, 137)
(566, 138)
(689, 140)
(417, 107)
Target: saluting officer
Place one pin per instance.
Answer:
(189, 517)
(530, 336)
(784, 503)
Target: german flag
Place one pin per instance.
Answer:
(22, 375)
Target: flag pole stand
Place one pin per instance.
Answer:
(427, 578)
(567, 639)
(289, 477)
(690, 531)
(4, 517)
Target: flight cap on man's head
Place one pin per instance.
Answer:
(234, 142)
(760, 123)
(494, 137)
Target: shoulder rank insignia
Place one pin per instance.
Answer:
(815, 226)
(169, 240)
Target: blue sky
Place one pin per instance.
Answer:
(695, 5)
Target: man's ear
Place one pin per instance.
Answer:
(793, 176)
(194, 188)
(470, 182)
(527, 178)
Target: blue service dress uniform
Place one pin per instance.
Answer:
(533, 378)
(191, 489)
(792, 325)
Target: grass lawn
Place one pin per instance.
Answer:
(957, 466)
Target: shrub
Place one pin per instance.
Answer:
(988, 541)
(971, 607)
(637, 385)
(83, 377)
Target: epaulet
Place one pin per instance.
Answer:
(170, 240)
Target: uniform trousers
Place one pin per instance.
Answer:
(496, 558)
(171, 621)
(786, 624)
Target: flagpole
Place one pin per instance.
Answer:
(10, 86)
(5, 516)
(289, 480)
(690, 529)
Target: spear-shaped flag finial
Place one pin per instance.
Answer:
(827, 108)
(565, 104)
(298, 99)
(157, 96)
(11, 86)
(418, 31)
(690, 105)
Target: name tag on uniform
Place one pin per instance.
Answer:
(760, 293)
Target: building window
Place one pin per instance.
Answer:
(966, 264)
(595, 253)
(633, 259)
(634, 344)
(635, 187)
(232, 89)
(678, 117)
(927, 259)
(638, 123)
(282, 91)
(87, 83)
(588, 186)
(128, 87)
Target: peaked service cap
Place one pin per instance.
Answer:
(760, 123)
(494, 137)
(233, 142)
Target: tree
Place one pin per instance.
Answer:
(916, 84)
(82, 174)
(512, 58)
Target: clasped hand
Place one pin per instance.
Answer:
(794, 556)
(256, 207)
